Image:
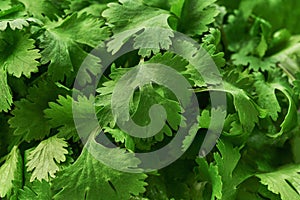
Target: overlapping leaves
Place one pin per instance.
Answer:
(42, 45)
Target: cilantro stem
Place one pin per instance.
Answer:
(287, 72)
(14, 9)
(198, 90)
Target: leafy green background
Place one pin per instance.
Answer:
(255, 45)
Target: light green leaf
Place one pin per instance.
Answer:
(285, 181)
(6, 97)
(44, 159)
(14, 16)
(11, 170)
(17, 54)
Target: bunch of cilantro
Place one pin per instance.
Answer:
(254, 44)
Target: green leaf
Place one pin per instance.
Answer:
(42, 8)
(5, 5)
(171, 60)
(268, 99)
(18, 55)
(38, 190)
(210, 174)
(60, 115)
(286, 17)
(205, 121)
(248, 111)
(232, 174)
(6, 99)
(91, 7)
(11, 170)
(284, 181)
(44, 159)
(131, 17)
(149, 97)
(121, 136)
(296, 84)
(179, 181)
(14, 23)
(196, 15)
(253, 62)
(291, 117)
(236, 31)
(211, 41)
(89, 178)
(288, 57)
(14, 17)
(28, 118)
(249, 39)
(62, 45)
(144, 99)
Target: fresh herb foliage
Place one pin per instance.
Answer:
(254, 44)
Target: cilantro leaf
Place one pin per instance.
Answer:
(148, 25)
(15, 17)
(253, 62)
(144, 99)
(248, 111)
(268, 99)
(196, 15)
(296, 84)
(120, 136)
(44, 159)
(210, 174)
(5, 5)
(286, 17)
(11, 171)
(58, 144)
(284, 181)
(38, 190)
(6, 99)
(28, 118)
(62, 44)
(225, 173)
(18, 55)
(60, 115)
(14, 24)
(149, 97)
(211, 41)
(288, 57)
(227, 161)
(41, 8)
(205, 122)
(103, 182)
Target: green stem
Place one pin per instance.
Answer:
(287, 72)
(14, 9)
